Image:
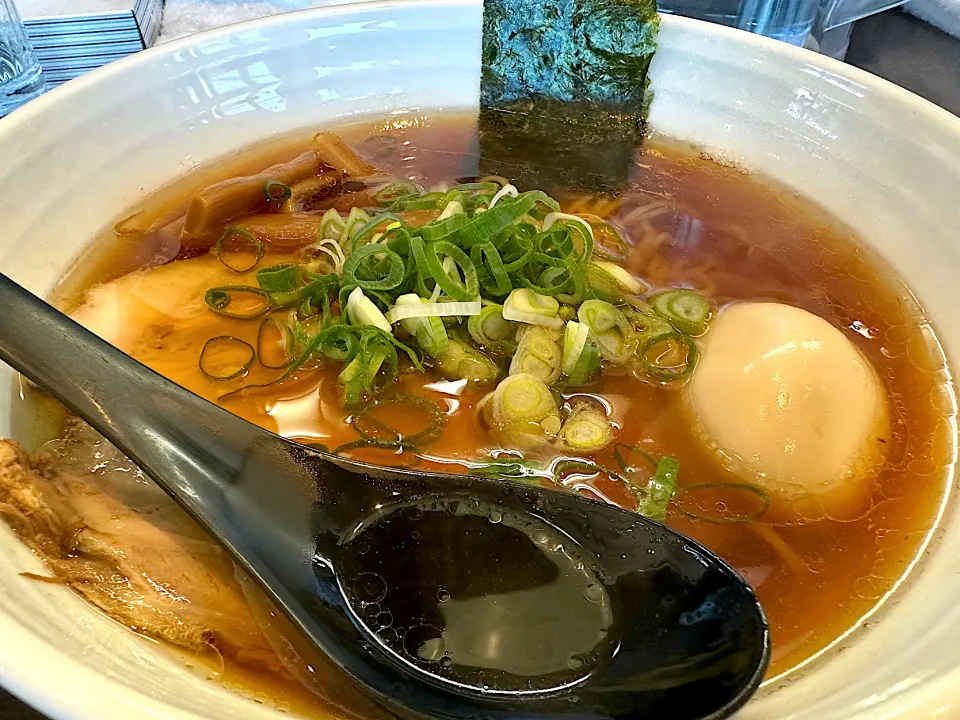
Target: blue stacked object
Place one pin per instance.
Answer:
(72, 37)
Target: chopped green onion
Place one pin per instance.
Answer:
(440, 229)
(376, 358)
(599, 316)
(306, 330)
(239, 250)
(276, 191)
(362, 311)
(720, 503)
(566, 468)
(646, 325)
(523, 410)
(493, 275)
(601, 285)
(429, 201)
(538, 354)
(331, 227)
(406, 308)
(660, 489)
(608, 241)
(560, 277)
(450, 209)
(281, 278)
(624, 463)
(281, 343)
(587, 430)
(543, 203)
(226, 357)
(517, 248)
(391, 192)
(581, 358)
(462, 362)
(627, 282)
(524, 305)
(574, 341)
(359, 376)
(477, 188)
(489, 328)
(686, 310)
(429, 331)
(486, 225)
(356, 220)
(246, 302)
(576, 288)
(464, 291)
(338, 343)
(609, 329)
(582, 228)
(374, 444)
(518, 469)
(361, 268)
(363, 420)
(660, 356)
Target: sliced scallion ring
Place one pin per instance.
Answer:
(601, 284)
(238, 301)
(429, 201)
(464, 291)
(489, 327)
(399, 449)
(413, 313)
(623, 460)
(276, 191)
(660, 489)
(608, 242)
(574, 341)
(388, 194)
(486, 226)
(495, 280)
(524, 305)
(239, 249)
(331, 227)
(275, 343)
(374, 267)
(226, 357)
(281, 278)
(661, 356)
(721, 504)
(371, 428)
(578, 225)
(686, 310)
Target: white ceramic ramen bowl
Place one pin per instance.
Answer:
(885, 161)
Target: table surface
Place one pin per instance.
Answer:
(893, 45)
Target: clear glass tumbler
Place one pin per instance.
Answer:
(21, 78)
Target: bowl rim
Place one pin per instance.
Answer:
(27, 662)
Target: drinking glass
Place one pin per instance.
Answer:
(21, 78)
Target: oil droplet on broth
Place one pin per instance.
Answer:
(369, 587)
(481, 595)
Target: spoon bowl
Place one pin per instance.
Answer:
(444, 596)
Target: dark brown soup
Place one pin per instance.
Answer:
(689, 223)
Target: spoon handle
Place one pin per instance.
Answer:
(189, 446)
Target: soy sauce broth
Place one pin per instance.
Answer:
(692, 222)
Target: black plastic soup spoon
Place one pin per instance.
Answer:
(443, 596)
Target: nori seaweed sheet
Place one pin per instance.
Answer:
(564, 90)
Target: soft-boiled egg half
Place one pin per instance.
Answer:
(789, 403)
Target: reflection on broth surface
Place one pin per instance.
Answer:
(818, 564)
